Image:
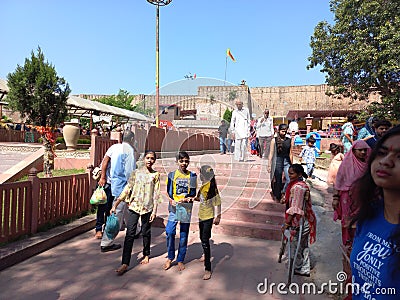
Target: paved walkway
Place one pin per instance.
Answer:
(76, 269)
(16, 156)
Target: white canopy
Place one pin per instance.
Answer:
(84, 107)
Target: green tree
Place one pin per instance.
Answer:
(37, 93)
(123, 100)
(227, 115)
(360, 52)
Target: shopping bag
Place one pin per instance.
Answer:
(99, 196)
(183, 212)
(112, 226)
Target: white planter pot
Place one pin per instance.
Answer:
(71, 132)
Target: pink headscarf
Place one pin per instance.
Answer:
(351, 168)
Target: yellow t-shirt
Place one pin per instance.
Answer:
(206, 208)
(181, 185)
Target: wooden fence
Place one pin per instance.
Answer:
(16, 136)
(28, 205)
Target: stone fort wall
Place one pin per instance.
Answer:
(214, 100)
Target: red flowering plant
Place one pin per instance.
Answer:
(49, 140)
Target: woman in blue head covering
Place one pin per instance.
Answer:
(367, 133)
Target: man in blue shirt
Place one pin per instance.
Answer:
(121, 158)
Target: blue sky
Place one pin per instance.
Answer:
(101, 46)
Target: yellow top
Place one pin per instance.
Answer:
(206, 208)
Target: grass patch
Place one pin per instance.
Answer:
(56, 173)
(325, 155)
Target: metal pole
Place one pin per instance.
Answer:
(157, 67)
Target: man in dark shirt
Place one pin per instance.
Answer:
(223, 132)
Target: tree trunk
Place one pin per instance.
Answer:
(48, 157)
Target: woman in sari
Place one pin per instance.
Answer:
(352, 168)
(337, 158)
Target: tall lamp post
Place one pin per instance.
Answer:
(158, 3)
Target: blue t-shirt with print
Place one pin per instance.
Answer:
(375, 258)
(308, 154)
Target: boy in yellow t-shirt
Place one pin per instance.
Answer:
(181, 189)
(209, 198)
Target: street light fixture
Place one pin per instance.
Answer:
(158, 3)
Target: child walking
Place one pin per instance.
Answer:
(209, 198)
(181, 188)
(308, 155)
(142, 193)
(298, 206)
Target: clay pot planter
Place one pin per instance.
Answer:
(71, 132)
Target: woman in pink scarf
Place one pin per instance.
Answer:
(354, 165)
(352, 168)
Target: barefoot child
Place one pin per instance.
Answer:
(209, 198)
(142, 193)
(181, 188)
(308, 155)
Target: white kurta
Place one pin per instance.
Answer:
(240, 123)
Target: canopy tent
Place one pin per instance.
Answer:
(295, 114)
(81, 107)
(3, 88)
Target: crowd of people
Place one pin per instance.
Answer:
(133, 195)
(362, 175)
(364, 180)
(365, 192)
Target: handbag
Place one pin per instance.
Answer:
(112, 226)
(99, 196)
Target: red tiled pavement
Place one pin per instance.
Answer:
(76, 269)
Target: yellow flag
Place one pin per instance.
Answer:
(228, 53)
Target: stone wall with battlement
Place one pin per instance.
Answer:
(213, 100)
(281, 99)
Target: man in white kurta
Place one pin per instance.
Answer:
(240, 126)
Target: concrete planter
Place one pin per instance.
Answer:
(71, 132)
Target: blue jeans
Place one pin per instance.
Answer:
(170, 230)
(222, 145)
(282, 166)
(103, 210)
(310, 169)
(229, 145)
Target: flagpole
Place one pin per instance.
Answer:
(226, 66)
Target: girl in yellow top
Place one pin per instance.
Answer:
(209, 198)
(142, 193)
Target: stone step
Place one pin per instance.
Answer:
(236, 228)
(194, 164)
(262, 204)
(255, 215)
(222, 169)
(255, 192)
(249, 229)
(241, 210)
(247, 207)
